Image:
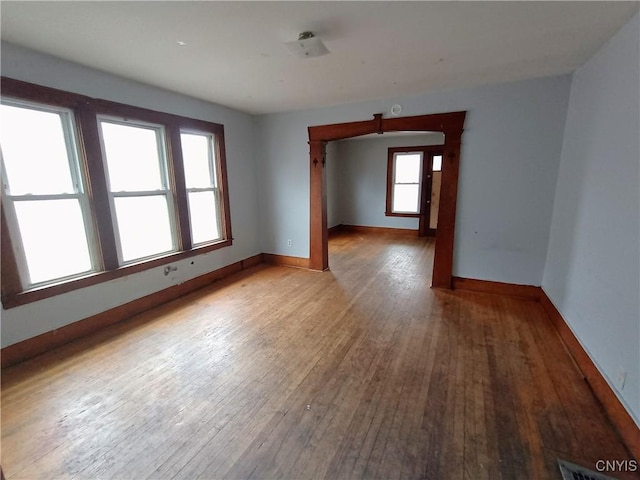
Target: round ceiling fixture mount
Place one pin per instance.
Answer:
(307, 46)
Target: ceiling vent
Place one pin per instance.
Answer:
(307, 46)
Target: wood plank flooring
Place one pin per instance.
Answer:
(277, 372)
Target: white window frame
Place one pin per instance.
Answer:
(214, 181)
(79, 180)
(165, 191)
(394, 183)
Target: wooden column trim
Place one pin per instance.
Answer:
(318, 240)
(445, 233)
(451, 124)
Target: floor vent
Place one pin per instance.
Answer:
(571, 471)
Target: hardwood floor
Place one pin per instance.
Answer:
(278, 372)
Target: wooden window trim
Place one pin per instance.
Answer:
(85, 110)
(427, 151)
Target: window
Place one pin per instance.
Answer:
(94, 190)
(409, 179)
(201, 178)
(139, 191)
(437, 163)
(44, 195)
(406, 182)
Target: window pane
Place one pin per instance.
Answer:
(54, 238)
(132, 157)
(437, 163)
(34, 151)
(405, 198)
(143, 225)
(204, 220)
(196, 158)
(408, 168)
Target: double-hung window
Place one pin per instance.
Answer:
(410, 181)
(406, 183)
(199, 157)
(139, 192)
(44, 193)
(94, 190)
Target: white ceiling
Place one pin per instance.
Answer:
(235, 53)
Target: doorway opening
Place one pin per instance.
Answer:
(450, 124)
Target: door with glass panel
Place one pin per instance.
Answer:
(414, 179)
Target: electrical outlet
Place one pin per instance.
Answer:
(621, 378)
(289, 243)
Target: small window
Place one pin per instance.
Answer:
(48, 211)
(141, 200)
(201, 171)
(407, 173)
(437, 163)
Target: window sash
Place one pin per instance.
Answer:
(217, 199)
(212, 157)
(77, 176)
(69, 135)
(395, 182)
(164, 190)
(119, 233)
(214, 173)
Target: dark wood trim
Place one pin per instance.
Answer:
(37, 93)
(614, 408)
(42, 343)
(49, 291)
(91, 153)
(85, 110)
(286, 261)
(451, 124)
(174, 158)
(443, 257)
(527, 292)
(9, 275)
(424, 215)
(616, 411)
(223, 184)
(379, 230)
(318, 240)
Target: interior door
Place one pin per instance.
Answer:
(430, 198)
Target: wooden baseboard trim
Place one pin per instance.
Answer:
(286, 261)
(528, 292)
(34, 346)
(379, 230)
(616, 411)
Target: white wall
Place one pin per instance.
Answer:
(33, 319)
(592, 272)
(510, 156)
(362, 178)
